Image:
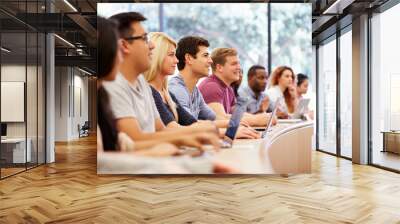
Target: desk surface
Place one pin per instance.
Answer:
(259, 156)
(285, 149)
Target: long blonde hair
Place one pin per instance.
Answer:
(162, 42)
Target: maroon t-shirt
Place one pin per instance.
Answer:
(214, 90)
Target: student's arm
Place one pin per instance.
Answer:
(206, 113)
(260, 119)
(166, 116)
(256, 120)
(219, 110)
(130, 126)
(222, 123)
(184, 117)
(181, 95)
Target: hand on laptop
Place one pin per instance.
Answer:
(160, 150)
(244, 123)
(281, 114)
(198, 140)
(247, 132)
(205, 126)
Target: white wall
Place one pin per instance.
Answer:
(14, 73)
(34, 125)
(71, 93)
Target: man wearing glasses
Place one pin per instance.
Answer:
(131, 97)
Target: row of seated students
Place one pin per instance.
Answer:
(145, 116)
(282, 84)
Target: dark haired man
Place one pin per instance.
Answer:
(257, 81)
(194, 63)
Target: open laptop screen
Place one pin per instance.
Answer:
(237, 115)
(270, 120)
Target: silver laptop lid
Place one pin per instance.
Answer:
(237, 115)
(272, 115)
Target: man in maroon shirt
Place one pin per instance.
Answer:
(217, 91)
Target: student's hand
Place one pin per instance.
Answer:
(198, 140)
(219, 167)
(204, 126)
(248, 133)
(244, 123)
(264, 104)
(160, 150)
(281, 114)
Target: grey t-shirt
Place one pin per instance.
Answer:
(194, 102)
(133, 100)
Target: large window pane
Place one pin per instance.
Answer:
(22, 78)
(13, 86)
(346, 94)
(149, 10)
(327, 97)
(290, 36)
(386, 88)
(244, 30)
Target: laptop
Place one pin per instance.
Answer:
(268, 128)
(301, 109)
(234, 122)
(273, 113)
(230, 133)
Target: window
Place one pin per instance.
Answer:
(22, 76)
(346, 94)
(385, 84)
(246, 30)
(327, 96)
(290, 36)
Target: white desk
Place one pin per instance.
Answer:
(285, 149)
(16, 146)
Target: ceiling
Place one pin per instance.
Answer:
(75, 22)
(76, 25)
(330, 15)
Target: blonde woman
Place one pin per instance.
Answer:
(163, 64)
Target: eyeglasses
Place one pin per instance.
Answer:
(143, 37)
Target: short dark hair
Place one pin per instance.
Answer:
(125, 20)
(253, 69)
(189, 45)
(301, 78)
(107, 46)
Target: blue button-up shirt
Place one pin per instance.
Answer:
(255, 103)
(193, 103)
